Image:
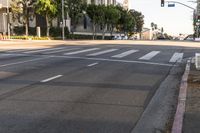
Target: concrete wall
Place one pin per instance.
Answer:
(4, 3)
(3, 21)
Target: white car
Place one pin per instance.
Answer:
(117, 38)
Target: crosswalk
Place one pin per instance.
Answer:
(81, 51)
(177, 57)
(114, 53)
(124, 54)
(149, 55)
(102, 52)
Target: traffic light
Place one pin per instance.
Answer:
(162, 3)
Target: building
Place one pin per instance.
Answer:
(126, 4)
(106, 2)
(3, 15)
(146, 34)
(84, 26)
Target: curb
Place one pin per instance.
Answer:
(178, 119)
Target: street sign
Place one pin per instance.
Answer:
(171, 5)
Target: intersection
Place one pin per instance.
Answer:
(77, 88)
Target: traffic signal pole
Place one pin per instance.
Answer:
(63, 21)
(8, 22)
(163, 3)
(176, 2)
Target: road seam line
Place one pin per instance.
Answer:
(93, 64)
(52, 78)
(42, 50)
(22, 62)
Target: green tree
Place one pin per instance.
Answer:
(126, 22)
(112, 17)
(92, 12)
(139, 20)
(48, 9)
(75, 9)
(25, 12)
(101, 18)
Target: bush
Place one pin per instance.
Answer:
(57, 31)
(19, 37)
(29, 37)
(54, 31)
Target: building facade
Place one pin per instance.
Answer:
(3, 15)
(106, 2)
(126, 4)
(84, 26)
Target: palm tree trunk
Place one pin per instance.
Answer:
(103, 32)
(47, 22)
(26, 26)
(93, 31)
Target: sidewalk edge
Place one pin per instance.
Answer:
(178, 119)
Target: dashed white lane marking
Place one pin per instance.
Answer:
(22, 62)
(41, 50)
(52, 78)
(93, 64)
(177, 57)
(149, 55)
(63, 50)
(102, 52)
(82, 51)
(125, 54)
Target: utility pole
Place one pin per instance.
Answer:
(63, 21)
(8, 17)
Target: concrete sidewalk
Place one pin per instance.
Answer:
(31, 44)
(191, 123)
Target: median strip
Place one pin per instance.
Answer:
(52, 78)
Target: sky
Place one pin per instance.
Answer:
(174, 20)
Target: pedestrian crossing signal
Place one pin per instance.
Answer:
(162, 3)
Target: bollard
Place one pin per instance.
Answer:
(38, 32)
(1, 37)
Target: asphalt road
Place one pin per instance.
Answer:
(82, 89)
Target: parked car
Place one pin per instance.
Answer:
(117, 38)
(189, 38)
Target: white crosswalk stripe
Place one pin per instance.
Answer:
(81, 51)
(149, 55)
(102, 52)
(125, 54)
(62, 50)
(177, 57)
(42, 50)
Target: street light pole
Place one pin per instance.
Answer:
(8, 23)
(63, 21)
